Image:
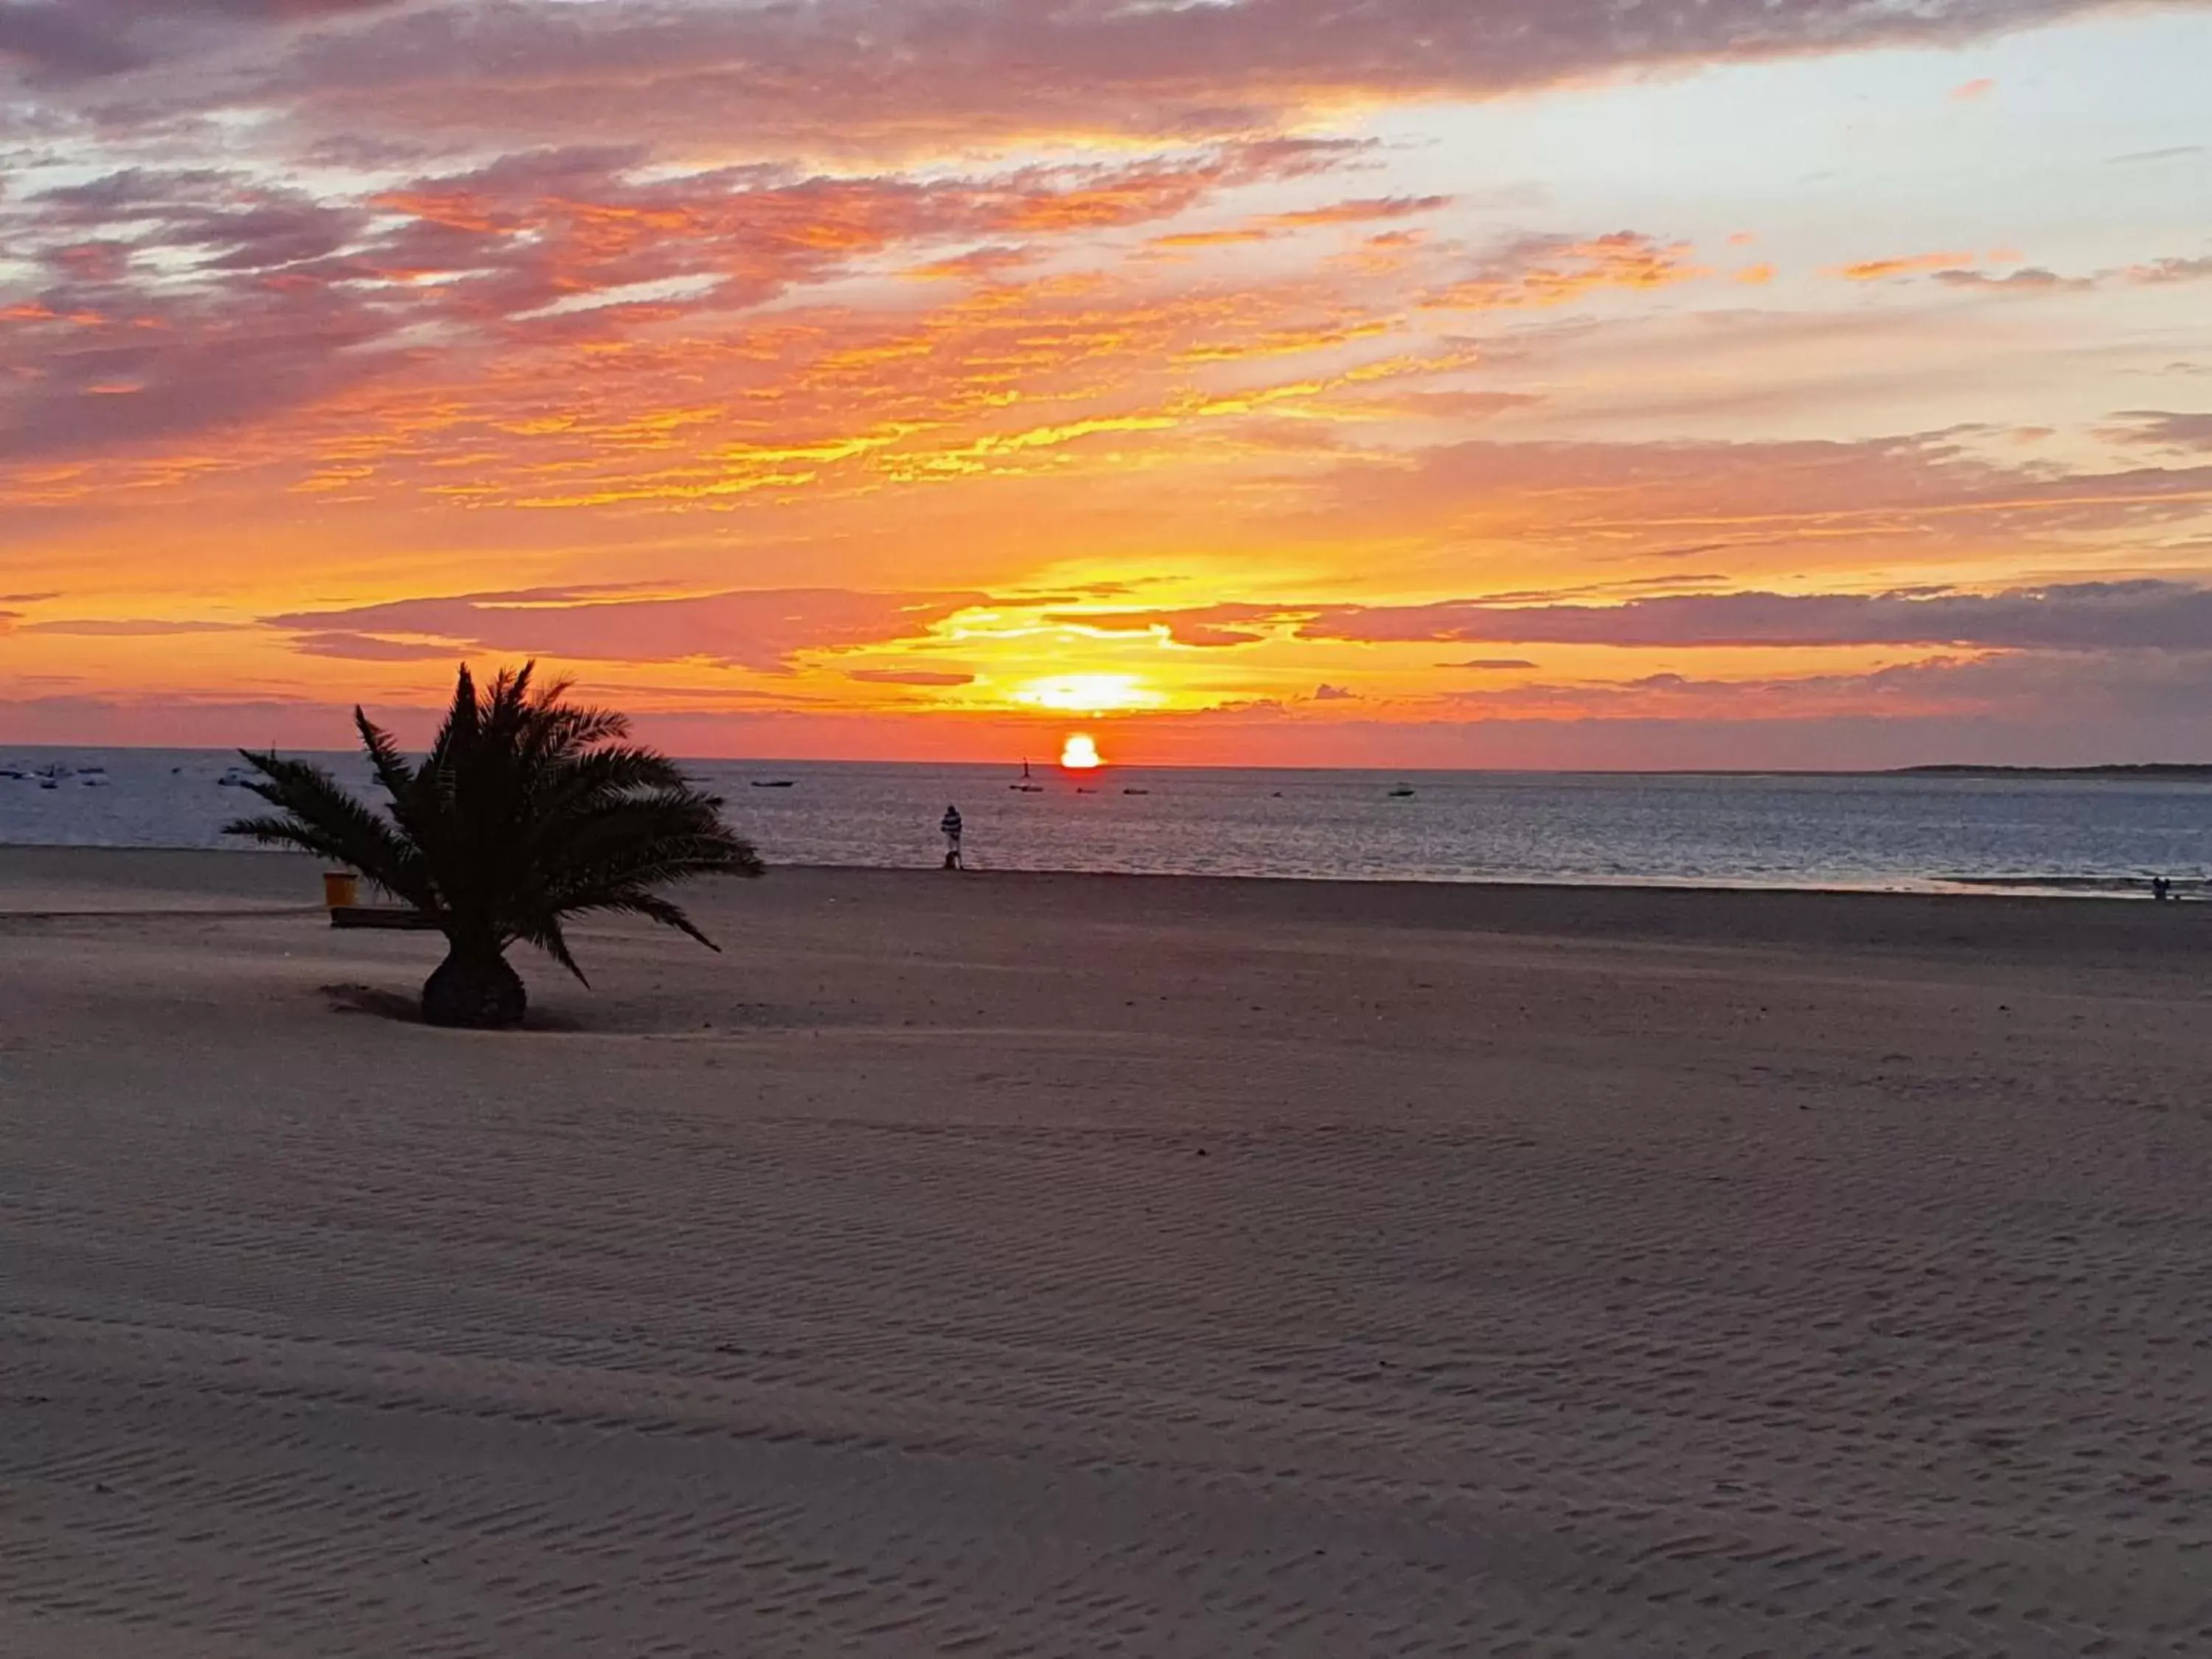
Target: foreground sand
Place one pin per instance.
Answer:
(1063, 1265)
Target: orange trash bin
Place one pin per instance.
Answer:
(340, 888)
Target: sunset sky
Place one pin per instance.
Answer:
(1398, 382)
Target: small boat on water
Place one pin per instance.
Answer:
(775, 783)
(18, 772)
(1403, 791)
(1136, 792)
(234, 779)
(1028, 784)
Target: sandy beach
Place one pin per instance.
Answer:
(1073, 1265)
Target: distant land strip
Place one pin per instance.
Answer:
(2156, 769)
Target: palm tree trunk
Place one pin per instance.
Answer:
(475, 989)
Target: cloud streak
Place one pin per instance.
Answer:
(2183, 433)
(886, 72)
(194, 300)
(2142, 615)
(2072, 616)
(763, 630)
(65, 41)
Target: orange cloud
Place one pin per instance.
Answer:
(1557, 270)
(1879, 270)
(1365, 211)
(921, 678)
(985, 263)
(1233, 238)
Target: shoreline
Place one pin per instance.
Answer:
(2119, 889)
(61, 882)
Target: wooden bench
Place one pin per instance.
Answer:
(394, 917)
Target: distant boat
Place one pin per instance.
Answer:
(1028, 784)
(234, 779)
(1136, 792)
(97, 780)
(775, 783)
(1403, 791)
(15, 772)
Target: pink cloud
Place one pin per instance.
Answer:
(888, 72)
(2094, 706)
(761, 629)
(66, 40)
(2185, 433)
(2162, 272)
(2078, 616)
(2088, 617)
(2029, 279)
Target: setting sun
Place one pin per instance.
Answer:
(1081, 755)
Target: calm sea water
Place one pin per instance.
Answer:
(2054, 833)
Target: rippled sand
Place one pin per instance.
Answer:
(1064, 1265)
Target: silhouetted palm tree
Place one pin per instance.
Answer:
(528, 809)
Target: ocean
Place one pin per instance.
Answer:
(2052, 834)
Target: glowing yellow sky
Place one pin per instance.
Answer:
(1837, 396)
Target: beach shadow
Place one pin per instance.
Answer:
(406, 1010)
(367, 999)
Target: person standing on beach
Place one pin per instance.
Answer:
(950, 826)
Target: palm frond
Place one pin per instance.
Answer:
(317, 815)
(392, 770)
(547, 936)
(640, 902)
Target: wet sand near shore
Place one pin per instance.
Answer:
(1071, 1265)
